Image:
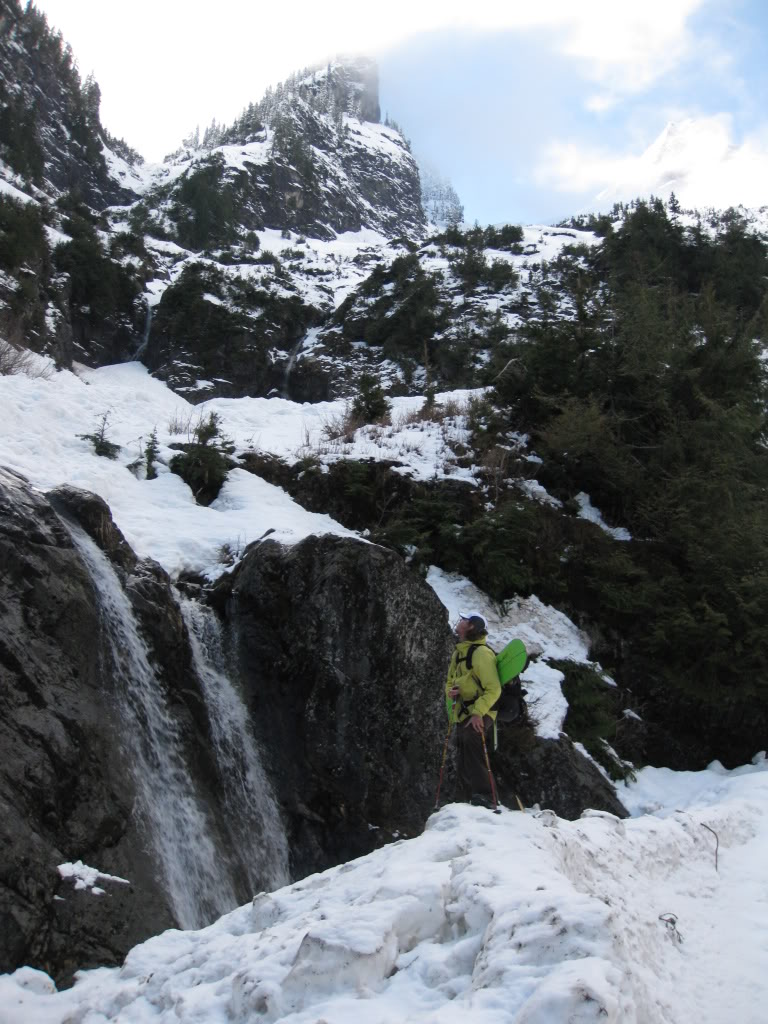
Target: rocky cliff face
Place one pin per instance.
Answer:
(50, 132)
(343, 653)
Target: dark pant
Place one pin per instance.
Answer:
(470, 758)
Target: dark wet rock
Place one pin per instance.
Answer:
(343, 653)
(66, 793)
(93, 514)
(553, 774)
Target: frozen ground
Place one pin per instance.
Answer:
(510, 919)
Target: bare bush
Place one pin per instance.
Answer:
(494, 466)
(451, 408)
(432, 412)
(406, 419)
(342, 426)
(181, 423)
(17, 360)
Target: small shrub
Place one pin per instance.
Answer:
(203, 465)
(206, 429)
(342, 426)
(370, 404)
(451, 408)
(101, 444)
(150, 455)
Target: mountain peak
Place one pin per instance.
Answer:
(695, 158)
(352, 80)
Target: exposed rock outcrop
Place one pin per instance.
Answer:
(343, 651)
(75, 739)
(553, 774)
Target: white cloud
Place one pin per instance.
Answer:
(163, 66)
(697, 159)
(626, 47)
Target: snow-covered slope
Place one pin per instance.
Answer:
(696, 159)
(43, 418)
(515, 919)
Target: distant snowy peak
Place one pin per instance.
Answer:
(683, 145)
(698, 160)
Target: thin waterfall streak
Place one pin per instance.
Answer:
(291, 363)
(252, 811)
(145, 337)
(197, 882)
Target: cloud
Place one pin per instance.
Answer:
(622, 47)
(697, 158)
(626, 47)
(163, 66)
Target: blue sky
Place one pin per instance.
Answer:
(530, 110)
(492, 137)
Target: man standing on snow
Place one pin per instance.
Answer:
(472, 689)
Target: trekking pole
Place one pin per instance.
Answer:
(490, 775)
(445, 754)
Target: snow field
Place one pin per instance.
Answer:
(160, 519)
(510, 919)
(43, 418)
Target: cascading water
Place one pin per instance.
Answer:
(145, 337)
(253, 817)
(198, 886)
(307, 342)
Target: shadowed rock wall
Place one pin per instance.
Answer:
(343, 651)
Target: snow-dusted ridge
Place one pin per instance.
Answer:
(511, 919)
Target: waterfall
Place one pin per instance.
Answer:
(308, 341)
(180, 832)
(145, 337)
(253, 817)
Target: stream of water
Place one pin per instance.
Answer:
(198, 876)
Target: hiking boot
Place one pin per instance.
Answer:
(478, 800)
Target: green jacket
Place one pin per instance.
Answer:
(479, 687)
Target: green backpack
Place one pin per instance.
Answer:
(510, 662)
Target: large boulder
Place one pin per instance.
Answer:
(343, 652)
(552, 773)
